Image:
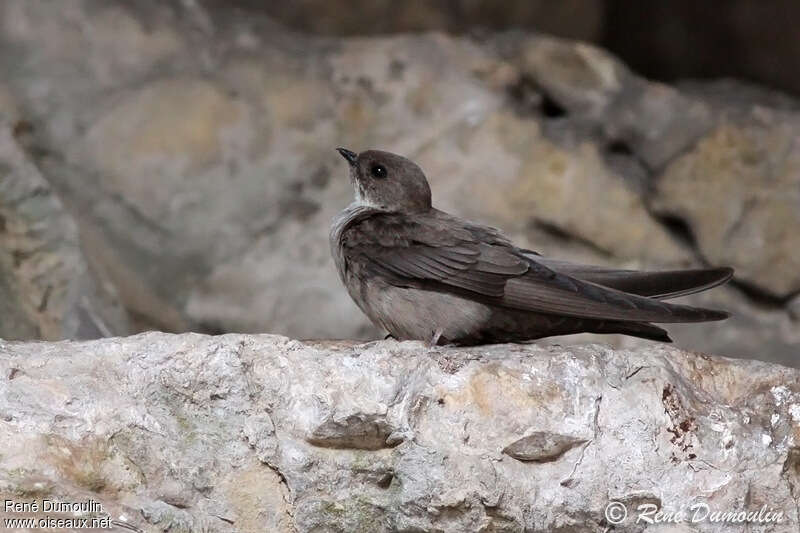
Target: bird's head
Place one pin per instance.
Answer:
(388, 181)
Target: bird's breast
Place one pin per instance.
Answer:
(338, 228)
(410, 313)
(349, 274)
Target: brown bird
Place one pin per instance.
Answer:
(423, 274)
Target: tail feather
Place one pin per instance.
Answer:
(661, 285)
(643, 330)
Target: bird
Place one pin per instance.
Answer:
(423, 274)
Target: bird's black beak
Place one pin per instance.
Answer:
(349, 155)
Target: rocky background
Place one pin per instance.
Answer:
(170, 165)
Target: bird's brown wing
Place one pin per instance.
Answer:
(427, 252)
(443, 253)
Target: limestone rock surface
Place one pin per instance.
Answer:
(264, 433)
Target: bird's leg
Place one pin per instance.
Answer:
(435, 338)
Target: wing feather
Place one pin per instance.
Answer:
(654, 284)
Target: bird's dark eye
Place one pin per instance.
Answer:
(378, 171)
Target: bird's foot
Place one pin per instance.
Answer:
(390, 336)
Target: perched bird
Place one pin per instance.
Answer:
(424, 274)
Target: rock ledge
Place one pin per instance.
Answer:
(263, 433)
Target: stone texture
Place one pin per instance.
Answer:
(46, 288)
(193, 146)
(542, 446)
(264, 433)
(739, 190)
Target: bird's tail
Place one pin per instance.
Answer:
(643, 330)
(661, 285)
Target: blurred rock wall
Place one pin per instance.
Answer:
(576, 19)
(755, 40)
(192, 145)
